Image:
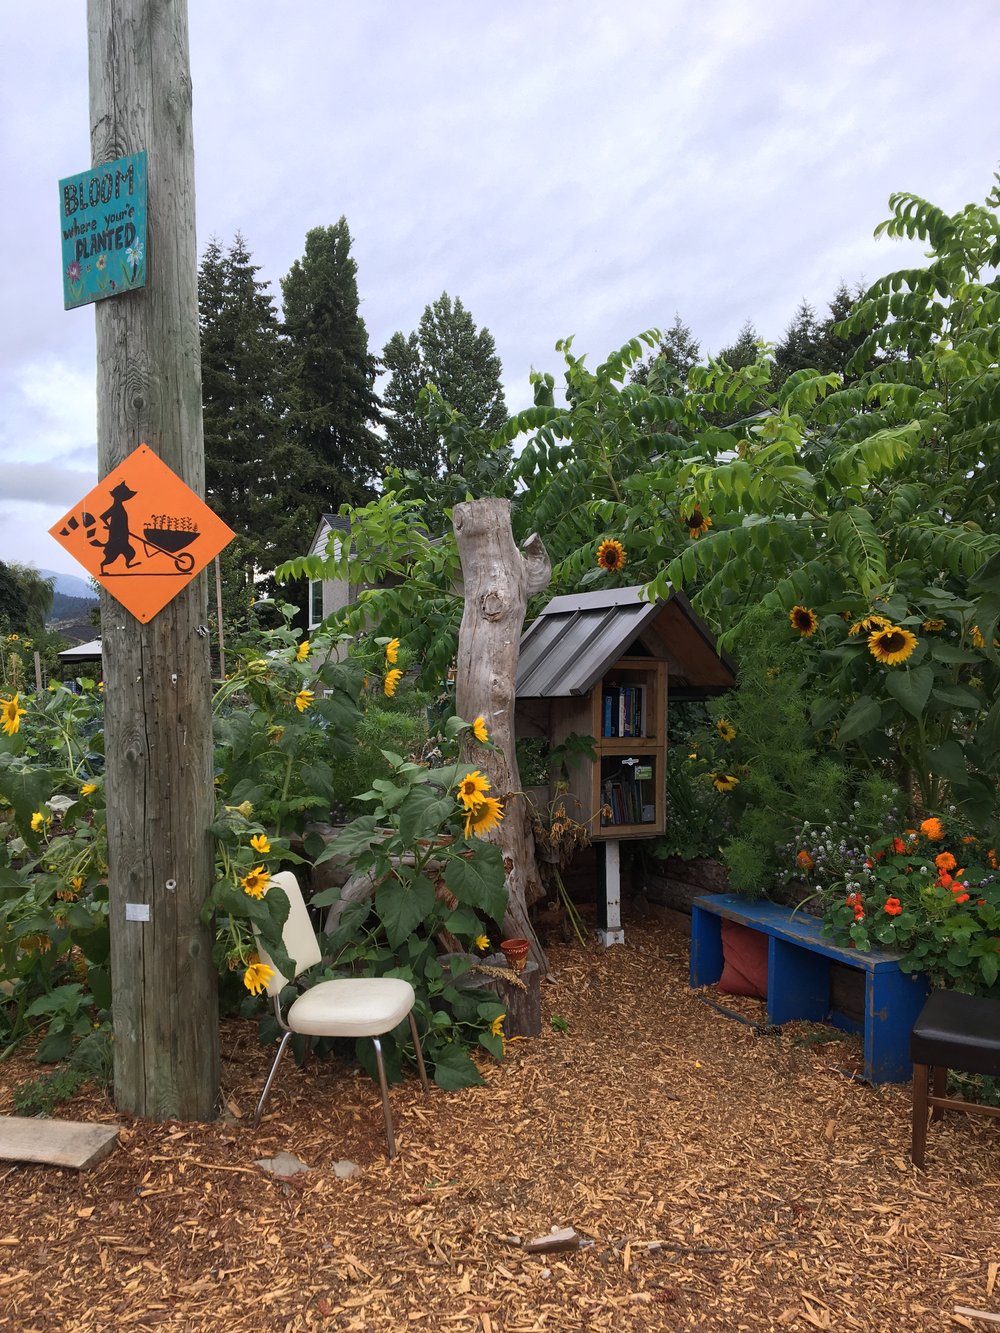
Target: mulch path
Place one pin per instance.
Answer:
(721, 1177)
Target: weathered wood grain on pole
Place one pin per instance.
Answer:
(157, 676)
(498, 580)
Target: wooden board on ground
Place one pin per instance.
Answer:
(55, 1142)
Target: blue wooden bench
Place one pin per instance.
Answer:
(799, 958)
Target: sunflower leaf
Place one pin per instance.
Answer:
(911, 689)
(862, 716)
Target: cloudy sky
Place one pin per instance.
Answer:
(565, 168)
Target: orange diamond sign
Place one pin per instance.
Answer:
(142, 533)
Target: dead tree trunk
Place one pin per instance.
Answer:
(498, 580)
(158, 722)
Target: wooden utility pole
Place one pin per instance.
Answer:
(158, 736)
(498, 580)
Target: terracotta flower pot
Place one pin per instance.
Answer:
(516, 953)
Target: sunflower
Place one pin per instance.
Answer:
(976, 637)
(482, 943)
(479, 730)
(697, 523)
(11, 713)
(304, 699)
(260, 844)
(891, 645)
(472, 789)
(88, 788)
(256, 883)
(392, 651)
(724, 781)
(725, 729)
(302, 651)
(932, 625)
(392, 679)
(496, 1027)
(481, 818)
(257, 975)
(611, 555)
(804, 620)
(867, 623)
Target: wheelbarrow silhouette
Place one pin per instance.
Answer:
(169, 542)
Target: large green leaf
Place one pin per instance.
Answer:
(454, 1069)
(957, 696)
(479, 880)
(402, 905)
(862, 716)
(359, 836)
(948, 761)
(911, 689)
(422, 813)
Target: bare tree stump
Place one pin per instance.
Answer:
(498, 581)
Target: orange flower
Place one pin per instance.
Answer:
(898, 846)
(962, 898)
(991, 859)
(804, 860)
(893, 906)
(932, 828)
(943, 880)
(945, 861)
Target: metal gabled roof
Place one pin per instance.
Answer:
(576, 638)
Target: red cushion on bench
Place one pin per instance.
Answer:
(744, 961)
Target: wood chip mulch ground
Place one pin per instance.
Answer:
(720, 1176)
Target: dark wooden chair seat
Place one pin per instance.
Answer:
(952, 1031)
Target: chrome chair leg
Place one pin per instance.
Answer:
(270, 1079)
(390, 1137)
(420, 1054)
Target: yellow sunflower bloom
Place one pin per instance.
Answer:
(724, 781)
(304, 699)
(932, 625)
(725, 729)
(256, 883)
(392, 652)
(302, 652)
(479, 730)
(868, 623)
(803, 618)
(257, 975)
(486, 815)
(611, 555)
(482, 943)
(891, 645)
(472, 789)
(496, 1027)
(88, 788)
(37, 821)
(392, 679)
(260, 844)
(11, 713)
(976, 637)
(697, 524)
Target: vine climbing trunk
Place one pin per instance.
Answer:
(498, 581)
(158, 723)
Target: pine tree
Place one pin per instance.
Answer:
(800, 347)
(252, 472)
(334, 404)
(448, 351)
(744, 351)
(667, 370)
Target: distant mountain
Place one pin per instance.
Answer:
(70, 585)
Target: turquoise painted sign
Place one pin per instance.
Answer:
(103, 217)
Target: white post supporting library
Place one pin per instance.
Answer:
(609, 911)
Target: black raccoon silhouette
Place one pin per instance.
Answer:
(164, 536)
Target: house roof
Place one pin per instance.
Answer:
(82, 652)
(575, 638)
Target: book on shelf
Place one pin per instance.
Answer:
(623, 711)
(629, 796)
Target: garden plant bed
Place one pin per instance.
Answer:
(722, 1177)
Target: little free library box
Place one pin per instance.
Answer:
(603, 665)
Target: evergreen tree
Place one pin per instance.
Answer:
(744, 351)
(800, 346)
(667, 369)
(253, 475)
(334, 402)
(461, 362)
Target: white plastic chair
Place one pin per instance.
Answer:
(348, 1007)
